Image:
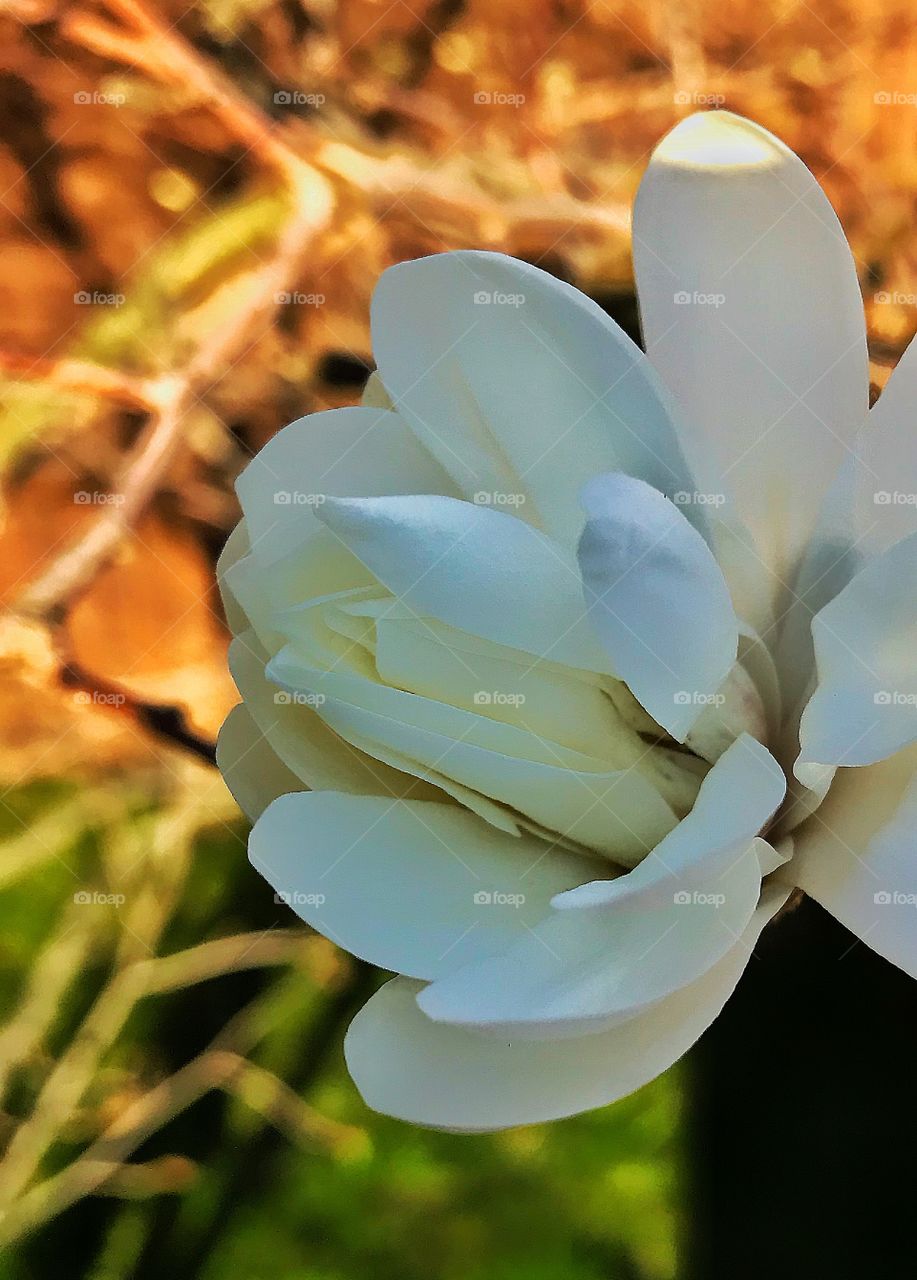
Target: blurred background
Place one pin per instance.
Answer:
(197, 200)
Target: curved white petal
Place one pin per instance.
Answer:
(618, 812)
(251, 768)
(519, 384)
(857, 856)
(581, 971)
(752, 313)
(689, 897)
(479, 569)
(447, 1077)
(736, 799)
(864, 706)
(657, 599)
(411, 886)
(303, 742)
(235, 548)
(352, 452)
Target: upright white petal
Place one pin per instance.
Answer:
(657, 599)
(886, 489)
(520, 385)
(856, 856)
(864, 706)
(752, 313)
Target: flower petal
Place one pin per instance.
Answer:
(736, 799)
(657, 599)
(351, 452)
(479, 569)
(856, 856)
(301, 739)
(752, 313)
(886, 489)
(448, 1077)
(505, 372)
(411, 886)
(646, 934)
(618, 812)
(251, 768)
(864, 706)
(580, 972)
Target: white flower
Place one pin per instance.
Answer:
(530, 658)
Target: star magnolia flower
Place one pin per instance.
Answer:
(563, 665)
